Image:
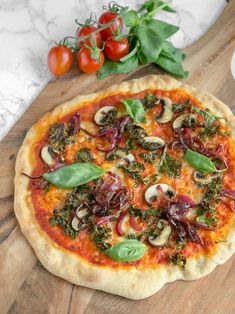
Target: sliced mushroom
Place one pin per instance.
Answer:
(152, 142)
(46, 155)
(203, 179)
(101, 115)
(163, 237)
(152, 193)
(75, 222)
(188, 119)
(192, 213)
(136, 132)
(130, 157)
(167, 111)
(81, 213)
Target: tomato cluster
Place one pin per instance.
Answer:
(108, 42)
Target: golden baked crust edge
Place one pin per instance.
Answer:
(130, 283)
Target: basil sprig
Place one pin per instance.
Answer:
(135, 109)
(127, 251)
(148, 42)
(74, 175)
(199, 162)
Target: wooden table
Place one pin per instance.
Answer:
(26, 287)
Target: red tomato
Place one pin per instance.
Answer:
(85, 30)
(114, 28)
(86, 63)
(116, 49)
(59, 60)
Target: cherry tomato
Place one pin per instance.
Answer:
(114, 28)
(88, 64)
(85, 30)
(59, 60)
(116, 49)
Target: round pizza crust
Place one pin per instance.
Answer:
(130, 282)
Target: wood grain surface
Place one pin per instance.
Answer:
(26, 287)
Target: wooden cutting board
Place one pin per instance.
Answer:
(26, 287)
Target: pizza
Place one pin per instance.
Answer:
(129, 188)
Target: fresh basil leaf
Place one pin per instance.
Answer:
(141, 56)
(74, 175)
(110, 67)
(151, 42)
(163, 29)
(171, 66)
(135, 109)
(130, 18)
(199, 162)
(172, 53)
(127, 251)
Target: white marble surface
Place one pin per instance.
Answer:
(27, 28)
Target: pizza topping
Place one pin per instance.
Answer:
(152, 142)
(229, 193)
(150, 100)
(200, 162)
(105, 115)
(56, 133)
(46, 154)
(75, 223)
(149, 157)
(100, 235)
(169, 165)
(162, 238)
(167, 112)
(127, 251)
(84, 155)
(182, 106)
(134, 170)
(158, 190)
(135, 109)
(74, 175)
(185, 120)
(120, 220)
(210, 123)
(178, 259)
(110, 194)
(202, 178)
(75, 124)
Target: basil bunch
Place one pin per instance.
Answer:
(127, 251)
(74, 175)
(148, 42)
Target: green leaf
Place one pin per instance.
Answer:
(130, 18)
(135, 109)
(141, 56)
(131, 53)
(163, 29)
(74, 175)
(110, 67)
(127, 251)
(152, 5)
(199, 162)
(172, 53)
(171, 66)
(167, 8)
(151, 42)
